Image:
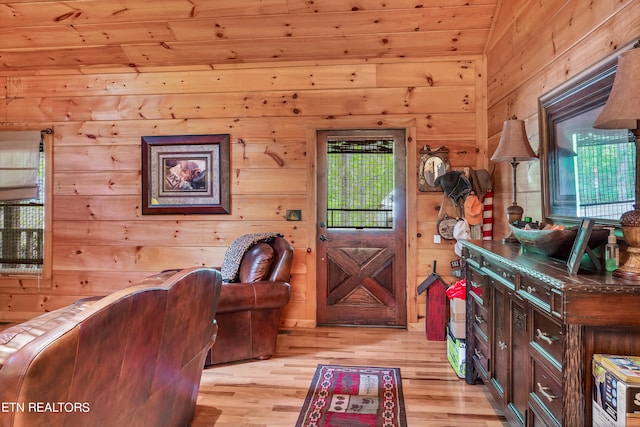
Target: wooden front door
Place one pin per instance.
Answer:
(361, 274)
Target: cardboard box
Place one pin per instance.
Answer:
(458, 310)
(456, 353)
(457, 317)
(616, 391)
(458, 329)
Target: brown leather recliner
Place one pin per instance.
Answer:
(132, 358)
(249, 311)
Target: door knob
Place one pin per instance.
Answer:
(324, 238)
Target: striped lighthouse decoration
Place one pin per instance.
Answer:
(487, 216)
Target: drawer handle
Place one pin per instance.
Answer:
(531, 289)
(479, 319)
(544, 391)
(479, 355)
(502, 345)
(545, 337)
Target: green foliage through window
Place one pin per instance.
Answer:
(22, 231)
(360, 183)
(605, 170)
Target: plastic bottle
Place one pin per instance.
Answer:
(611, 252)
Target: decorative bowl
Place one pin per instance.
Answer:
(556, 243)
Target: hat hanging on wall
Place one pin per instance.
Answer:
(461, 231)
(481, 182)
(455, 185)
(473, 209)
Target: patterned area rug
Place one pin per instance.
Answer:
(354, 396)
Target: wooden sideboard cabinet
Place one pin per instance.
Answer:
(532, 330)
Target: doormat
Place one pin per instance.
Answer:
(354, 396)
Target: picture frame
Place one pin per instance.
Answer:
(580, 246)
(186, 174)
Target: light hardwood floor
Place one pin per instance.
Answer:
(270, 393)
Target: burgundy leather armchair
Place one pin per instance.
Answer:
(249, 310)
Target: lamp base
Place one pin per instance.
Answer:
(631, 232)
(514, 214)
(630, 222)
(627, 273)
(631, 269)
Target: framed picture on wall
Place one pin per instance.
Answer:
(185, 174)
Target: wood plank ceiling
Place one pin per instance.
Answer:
(37, 35)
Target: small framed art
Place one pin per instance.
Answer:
(186, 174)
(580, 246)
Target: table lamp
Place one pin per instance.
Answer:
(513, 147)
(622, 111)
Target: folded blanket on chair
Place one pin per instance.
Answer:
(237, 249)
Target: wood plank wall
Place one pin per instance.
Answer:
(100, 240)
(534, 46)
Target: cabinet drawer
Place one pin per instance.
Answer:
(541, 294)
(547, 337)
(480, 318)
(472, 254)
(546, 390)
(477, 282)
(481, 356)
(539, 417)
(500, 270)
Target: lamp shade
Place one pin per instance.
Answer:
(514, 144)
(622, 109)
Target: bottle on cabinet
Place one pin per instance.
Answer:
(611, 252)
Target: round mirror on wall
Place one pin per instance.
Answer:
(433, 163)
(433, 168)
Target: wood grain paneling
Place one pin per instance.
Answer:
(178, 233)
(439, 126)
(357, 5)
(382, 45)
(339, 23)
(88, 183)
(95, 11)
(404, 100)
(138, 34)
(270, 207)
(211, 81)
(461, 73)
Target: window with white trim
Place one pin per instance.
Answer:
(22, 202)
